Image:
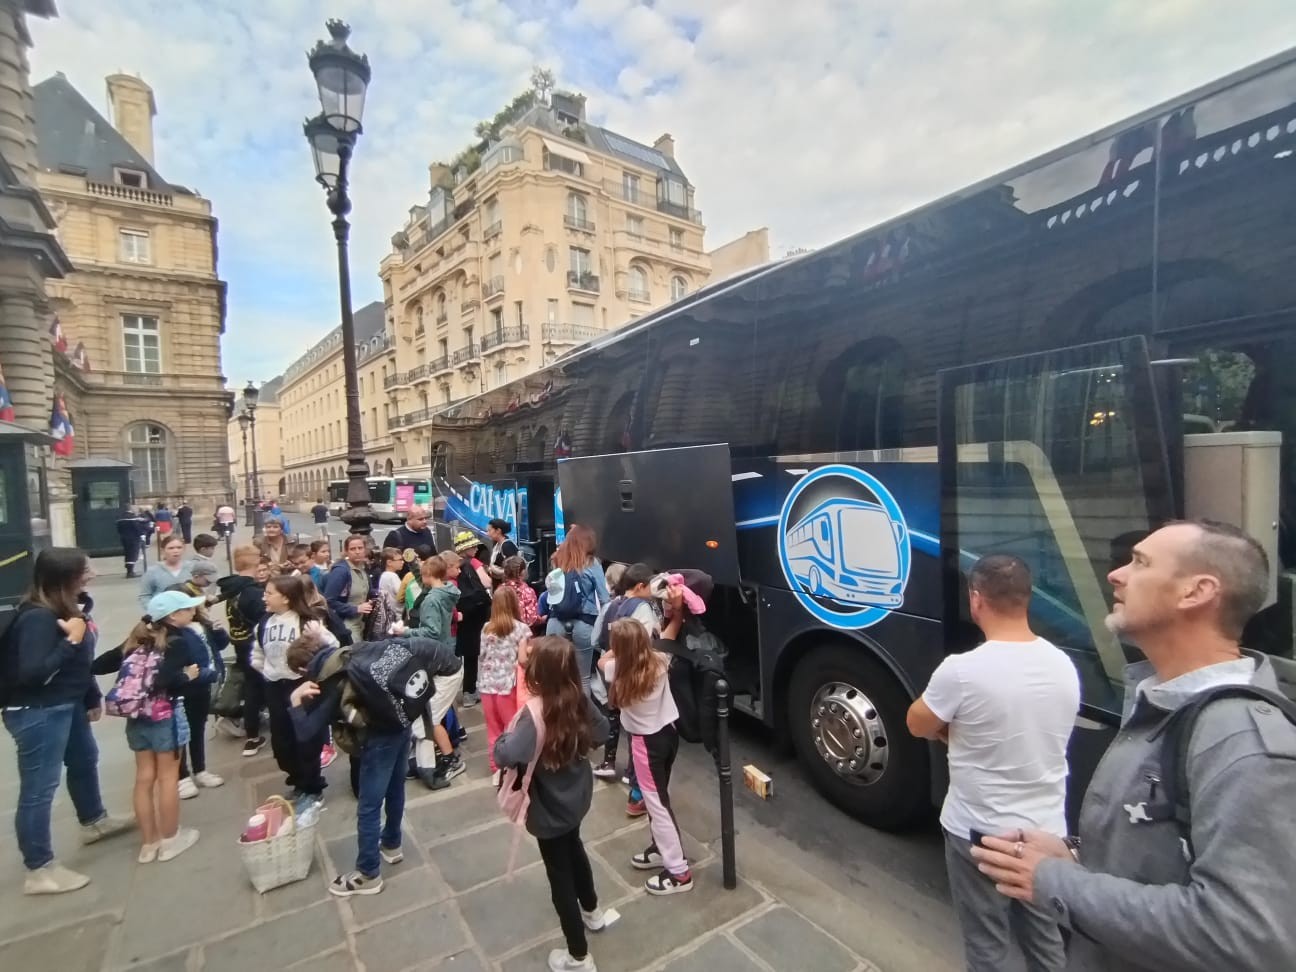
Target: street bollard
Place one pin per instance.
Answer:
(229, 553)
(730, 865)
(144, 545)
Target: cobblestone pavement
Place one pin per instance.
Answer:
(448, 906)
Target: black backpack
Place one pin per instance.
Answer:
(697, 664)
(1175, 801)
(473, 597)
(9, 652)
(392, 684)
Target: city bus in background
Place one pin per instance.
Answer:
(390, 497)
(1050, 363)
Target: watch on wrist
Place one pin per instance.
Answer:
(1073, 845)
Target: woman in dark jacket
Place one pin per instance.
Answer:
(50, 699)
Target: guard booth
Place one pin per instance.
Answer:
(100, 488)
(24, 507)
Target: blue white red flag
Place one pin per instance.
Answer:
(61, 427)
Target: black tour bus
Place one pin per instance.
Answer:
(1039, 364)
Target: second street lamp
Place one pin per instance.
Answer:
(243, 421)
(250, 396)
(342, 77)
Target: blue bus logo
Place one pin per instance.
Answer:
(844, 547)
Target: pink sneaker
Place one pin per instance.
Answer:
(327, 755)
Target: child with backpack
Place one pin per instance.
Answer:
(502, 639)
(577, 590)
(639, 686)
(288, 601)
(543, 757)
(156, 667)
(202, 642)
(371, 692)
(244, 595)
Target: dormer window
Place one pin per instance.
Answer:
(133, 178)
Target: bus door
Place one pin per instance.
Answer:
(1061, 459)
(669, 508)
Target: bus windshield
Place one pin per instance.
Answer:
(868, 543)
(380, 491)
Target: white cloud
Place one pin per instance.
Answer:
(816, 118)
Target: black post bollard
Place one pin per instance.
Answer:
(730, 865)
(229, 552)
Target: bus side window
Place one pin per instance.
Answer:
(862, 397)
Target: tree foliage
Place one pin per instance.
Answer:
(492, 129)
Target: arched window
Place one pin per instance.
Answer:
(388, 467)
(147, 445)
(441, 306)
(577, 209)
(501, 374)
(679, 287)
(418, 320)
(638, 283)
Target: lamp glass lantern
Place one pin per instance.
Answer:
(243, 423)
(327, 146)
(250, 395)
(342, 77)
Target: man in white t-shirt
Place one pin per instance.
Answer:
(1006, 709)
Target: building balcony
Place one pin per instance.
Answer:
(393, 380)
(638, 296)
(471, 353)
(493, 287)
(442, 320)
(679, 211)
(146, 379)
(578, 223)
(493, 230)
(417, 374)
(568, 333)
(438, 365)
(505, 336)
(652, 246)
(469, 305)
(559, 163)
(583, 281)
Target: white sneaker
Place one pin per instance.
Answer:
(188, 788)
(149, 853)
(560, 960)
(53, 878)
(208, 779)
(594, 920)
(106, 826)
(173, 847)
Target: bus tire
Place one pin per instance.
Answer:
(844, 705)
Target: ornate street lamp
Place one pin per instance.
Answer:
(243, 422)
(250, 396)
(342, 77)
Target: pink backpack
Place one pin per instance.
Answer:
(514, 796)
(133, 695)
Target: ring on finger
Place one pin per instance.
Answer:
(1018, 849)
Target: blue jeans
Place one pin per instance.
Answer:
(49, 738)
(582, 636)
(382, 780)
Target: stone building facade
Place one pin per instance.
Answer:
(262, 441)
(144, 303)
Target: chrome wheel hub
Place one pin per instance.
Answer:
(849, 733)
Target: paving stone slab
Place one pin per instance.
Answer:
(417, 938)
(404, 888)
(784, 939)
(460, 962)
(719, 954)
(275, 943)
(178, 962)
(526, 902)
(482, 856)
(607, 813)
(651, 927)
(617, 851)
(75, 948)
(453, 814)
(342, 852)
(339, 960)
(300, 894)
(104, 863)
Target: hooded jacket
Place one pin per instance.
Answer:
(435, 613)
(1136, 900)
(43, 668)
(244, 606)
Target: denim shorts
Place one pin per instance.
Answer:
(166, 736)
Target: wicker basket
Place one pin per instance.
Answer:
(276, 861)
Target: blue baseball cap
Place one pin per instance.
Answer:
(169, 602)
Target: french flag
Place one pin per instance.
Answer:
(56, 335)
(61, 428)
(6, 403)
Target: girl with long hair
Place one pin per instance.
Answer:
(576, 560)
(562, 788)
(503, 637)
(171, 569)
(638, 686)
(50, 699)
(515, 578)
(288, 610)
(157, 745)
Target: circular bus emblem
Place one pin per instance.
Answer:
(844, 547)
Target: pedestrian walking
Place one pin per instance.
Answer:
(49, 698)
(1184, 858)
(577, 564)
(1006, 709)
(638, 686)
(164, 520)
(561, 791)
(130, 530)
(320, 514)
(503, 638)
(184, 516)
(171, 569)
(474, 608)
(244, 596)
(346, 587)
(223, 524)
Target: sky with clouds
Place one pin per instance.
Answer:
(816, 118)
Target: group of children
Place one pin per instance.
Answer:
(286, 639)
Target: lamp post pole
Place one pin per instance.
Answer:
(247, 469)
(250, 396)
(342, 77)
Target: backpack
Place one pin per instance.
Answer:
(134, 695)
(9, 652)
(514, 794)
(569, 608)
(473, 597)
(391, 684)
(1176, 735)
(620, 608)
(697, 663)
(381, 618)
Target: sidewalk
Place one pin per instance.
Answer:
(447, 907)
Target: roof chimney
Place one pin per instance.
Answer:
(131, 103)
(665, 145)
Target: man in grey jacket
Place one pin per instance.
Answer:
(1136, 894)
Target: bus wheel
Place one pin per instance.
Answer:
(846, 717)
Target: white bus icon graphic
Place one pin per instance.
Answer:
(850, 551)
